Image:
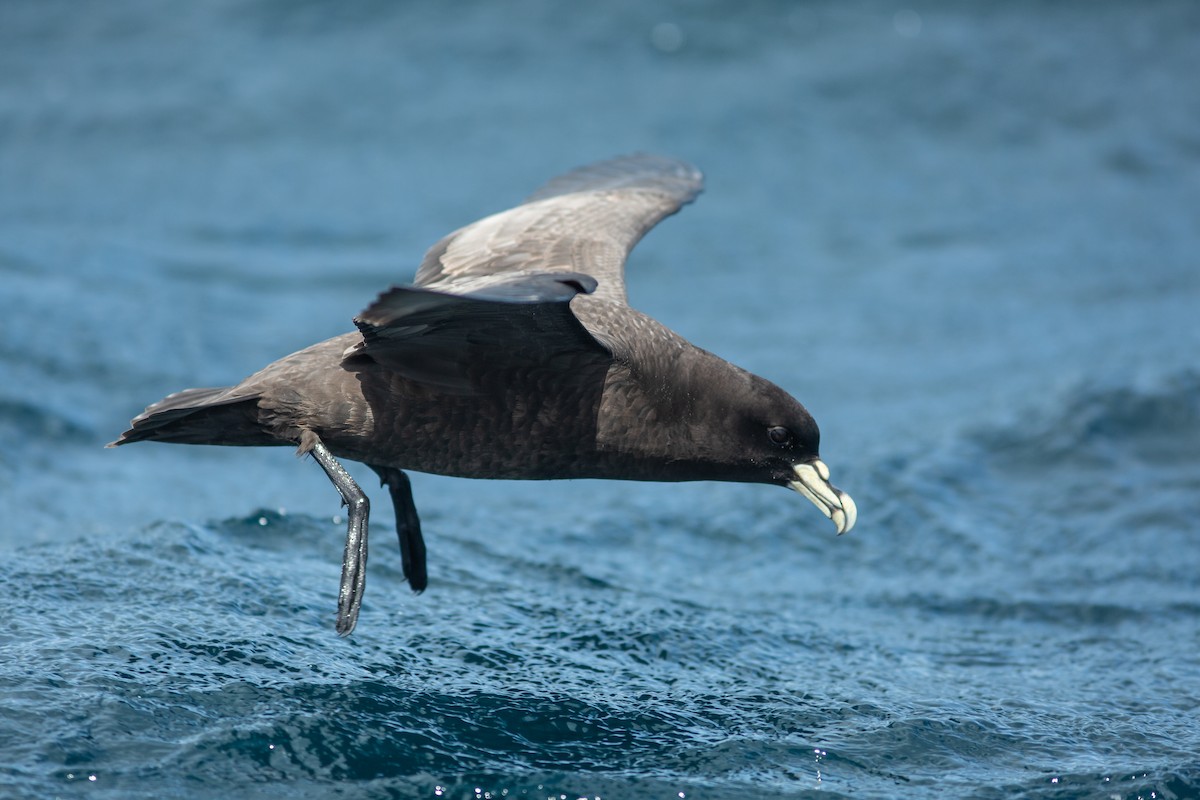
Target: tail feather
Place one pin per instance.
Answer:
(200, 416)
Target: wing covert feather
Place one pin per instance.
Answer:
(585, 221)
(452, 340)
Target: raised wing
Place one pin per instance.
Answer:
(585, 221)
(491, 324)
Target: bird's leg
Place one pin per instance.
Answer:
(354, 560)
(408, 526)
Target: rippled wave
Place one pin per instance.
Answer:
(187, 654)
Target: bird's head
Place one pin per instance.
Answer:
(710, 420)
(782, 445)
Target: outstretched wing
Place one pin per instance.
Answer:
(488, 326)
(585, 221)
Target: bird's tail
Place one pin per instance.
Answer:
(200, 416)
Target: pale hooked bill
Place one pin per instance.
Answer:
(812, 481)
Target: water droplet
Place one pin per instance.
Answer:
(907, 23)
(667, 37)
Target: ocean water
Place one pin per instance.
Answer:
(964, 235)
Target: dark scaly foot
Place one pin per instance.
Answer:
(408, 526)
(354, 560)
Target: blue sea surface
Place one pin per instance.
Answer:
(964, 235)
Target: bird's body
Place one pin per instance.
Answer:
(515, 355)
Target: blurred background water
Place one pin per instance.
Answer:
(964, 235)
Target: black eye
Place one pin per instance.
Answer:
(780, 435)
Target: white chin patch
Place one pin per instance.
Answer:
(812, 481)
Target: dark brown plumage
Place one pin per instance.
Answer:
(515, 355)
